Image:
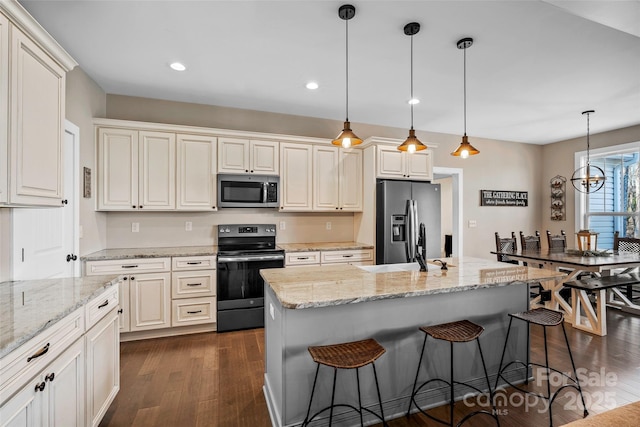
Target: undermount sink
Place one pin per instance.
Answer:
(407, 266)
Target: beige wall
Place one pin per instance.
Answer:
(559, 159)
(86, 100)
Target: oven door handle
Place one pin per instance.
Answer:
(251, 258)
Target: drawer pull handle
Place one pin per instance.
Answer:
(347, 256)
(40, 387)
(303, 257)
(194, 312)
(50, 377)
(194, 284)
(129, 266)
(104, 304)
(38, 353)
(194, 262)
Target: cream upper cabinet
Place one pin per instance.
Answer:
(136, 170)
(393, 163)
(337, 178)
(296, 177)
(117, 177)
(4, 108)
(248, 156)
(36, 123)
(196, 173)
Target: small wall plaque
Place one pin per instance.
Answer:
(87, 183)
(504, 198)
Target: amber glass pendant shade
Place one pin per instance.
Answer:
(465, 149)
(347, 138)
(412, 144)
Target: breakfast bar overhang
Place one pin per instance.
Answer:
(332, 304)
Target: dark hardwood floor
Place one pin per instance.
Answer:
(216, 380)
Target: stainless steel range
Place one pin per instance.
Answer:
(244, 249)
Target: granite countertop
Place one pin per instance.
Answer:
(30, 306)
(323, 246)
(128, 253)
(312, 287)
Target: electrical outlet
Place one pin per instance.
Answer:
(188, 226)
(473, 223)
(282, 225)
(328, 225)
(135, 227)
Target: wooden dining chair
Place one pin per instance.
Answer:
(532, 244)
(557, 242)
(506, 244)
(626, 244)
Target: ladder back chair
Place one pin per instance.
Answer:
(626, 244)
(506, 244)
(532, 244)
(557, 242)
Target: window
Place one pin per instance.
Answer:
(615, 206)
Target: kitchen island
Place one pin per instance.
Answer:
(333, 304)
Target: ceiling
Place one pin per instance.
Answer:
(533, 68)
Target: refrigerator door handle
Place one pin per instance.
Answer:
(412, 229)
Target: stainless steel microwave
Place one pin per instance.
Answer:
(248, 191)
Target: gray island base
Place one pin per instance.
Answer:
(332, 304)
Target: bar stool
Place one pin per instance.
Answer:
(543, 317)
(453, 332)
(350, 355)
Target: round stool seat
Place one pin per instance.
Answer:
(349, 355)
(540, 316)
(460, 331)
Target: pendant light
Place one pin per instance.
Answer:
(412, 144)
(588, 179)
(347, 138)
(465, 149)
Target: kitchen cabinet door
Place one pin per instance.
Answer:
(420, 166)
(36, 111)
(24, 409)
(326, 179)
(103, 367)
(124, 310)
(350, 168)
(150, 301)
(391, 163)
(264, 157)
(65, 393)
(157, 178)
(4, 107)
(117, 169)
(296, 177)
(196, 174)
(233, 155)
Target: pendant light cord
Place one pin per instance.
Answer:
(347, 67)
(411, 100)
(588, 160)
(464, 85)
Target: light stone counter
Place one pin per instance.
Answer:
(323, 246)
(28, 307)
(313, 287)
(129, 253)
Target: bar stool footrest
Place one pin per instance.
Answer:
(553, 395)
(344, 405)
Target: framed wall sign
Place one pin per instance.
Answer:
(504, 198)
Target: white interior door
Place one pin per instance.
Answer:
(42, 238)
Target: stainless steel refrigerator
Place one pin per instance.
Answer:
(401, 207)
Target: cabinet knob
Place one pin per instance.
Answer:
(247, 170)
(140, 206)
(134, 206)
(65, 201)
(251, 171)
(50, 377)
(213, 207)
(133, 278)
(125, 278)
(40, 387)
(120, 311)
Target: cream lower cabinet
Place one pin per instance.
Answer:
(150, 301)
(337, 179)
(103, 368)
(193, 290)
(296, 177)
(302, 259)
(392, 163)
(350, 256)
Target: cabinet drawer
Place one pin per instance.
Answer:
(127, 266)
(193, 311)
(101, 305)
(188, 284)
(22, 364)
(205, 262)
(329, 257)
(302, 258)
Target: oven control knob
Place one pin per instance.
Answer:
(221, 230)
(226, 230)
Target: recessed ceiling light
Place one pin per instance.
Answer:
(414, 101)
(312, 85)
(178, 66)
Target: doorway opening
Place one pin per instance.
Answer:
(451, 206)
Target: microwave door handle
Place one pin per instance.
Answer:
(264, 192)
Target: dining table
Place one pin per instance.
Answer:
(586, 309)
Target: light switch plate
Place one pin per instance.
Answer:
(283, 225)
(188, 226)
(135, 227)
(473, 223)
